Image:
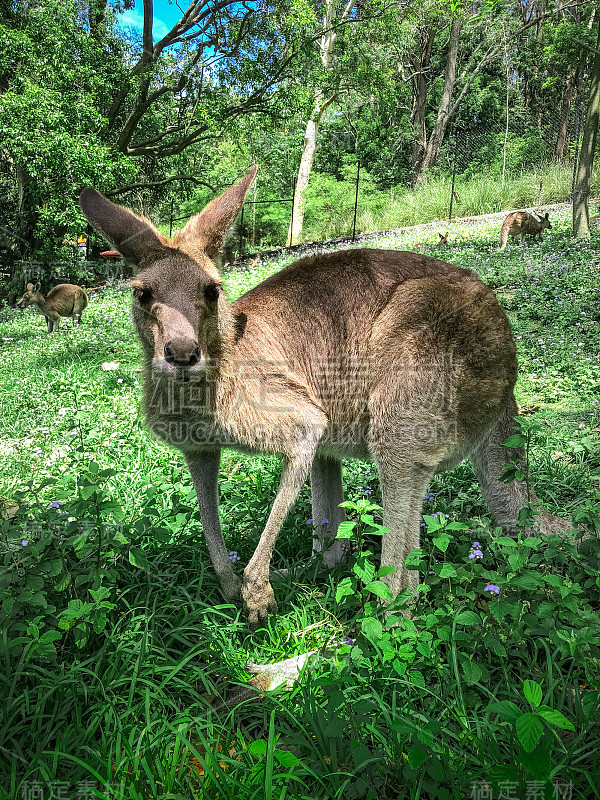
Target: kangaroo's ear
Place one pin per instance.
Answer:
(209, 228)
(546, 215)
(133, 236)
(37, 287)
(30, 287)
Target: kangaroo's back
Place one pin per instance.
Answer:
(330, 302)
(66, 299)
(354, 323)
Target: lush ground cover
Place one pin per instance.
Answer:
(115, 638)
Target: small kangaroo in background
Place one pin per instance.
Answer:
(370, 354)
(443, 238)
(65, 300)
(521, 223)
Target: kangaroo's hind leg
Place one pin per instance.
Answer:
(403, 486)
(505, 500)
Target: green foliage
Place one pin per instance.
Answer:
(52, 119)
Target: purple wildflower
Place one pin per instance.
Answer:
(324, 522)
(56, 504)
(24, 542)
(475, 554)
(491, 587)
(233, 556)
(309, 521)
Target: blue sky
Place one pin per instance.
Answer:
(166, 15)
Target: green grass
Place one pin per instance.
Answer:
(120, 696)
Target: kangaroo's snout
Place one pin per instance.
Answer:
(182, 354)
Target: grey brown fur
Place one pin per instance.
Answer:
(521, 223)
(377, 354)
(65, 300)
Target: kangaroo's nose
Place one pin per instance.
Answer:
(181, 356)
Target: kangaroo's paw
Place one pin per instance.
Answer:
(258, 598)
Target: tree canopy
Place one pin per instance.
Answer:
(392, 85)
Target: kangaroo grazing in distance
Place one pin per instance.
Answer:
(443, 238)
(65, 300)
(520, 223)
(372, 354)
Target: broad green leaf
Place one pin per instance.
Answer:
(555, 718)
(258, 747)
(383, 571)
(433, 523)
(346, 530)
(137, 557)
(380, 589)
(442, 542)
(345, 588)
(101, 593)
(444, 570)
(516, 440)
(33, 630)
(417, 678)
(468, 618)
(371, 628)
(50, 636)
(472, 672)
(364, 569)
(529, 731)
(417, 755)
(533, 693)
(63, 582)
(285, 758)
(100, 621)
(507, 710)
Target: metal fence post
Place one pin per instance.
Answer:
(453, 173)
(241, 232)
(356, 200)
(579, 118)
(292, 217)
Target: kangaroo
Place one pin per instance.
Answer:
(520, 223)
(443, 238)
(372, 354)
(65, 300)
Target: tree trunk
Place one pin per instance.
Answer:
(565, 110)
(306, 162)
(420, 87)
(581, 218)
(325, 45)
(437, 137)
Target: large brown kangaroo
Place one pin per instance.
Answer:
(373, 354)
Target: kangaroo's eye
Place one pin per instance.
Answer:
(142, 295)
(211, 292)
